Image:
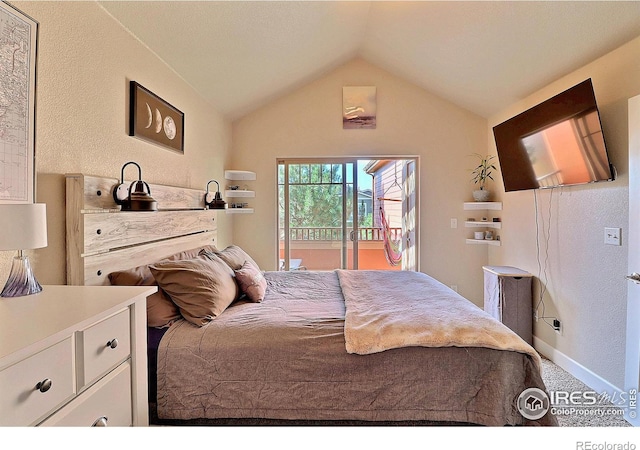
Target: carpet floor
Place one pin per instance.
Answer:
(601, 415)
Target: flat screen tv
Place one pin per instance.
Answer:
(556, 143)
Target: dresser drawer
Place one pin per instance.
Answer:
(106, 403)
(25, 394)
(102, 347)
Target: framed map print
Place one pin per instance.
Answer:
(154, 120)
(18, 42)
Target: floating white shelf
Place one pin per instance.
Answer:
(483, 242)
(483, 206)
(239, 210)
(493, 206)
(239, 175)
(470, 224)
(239, 193)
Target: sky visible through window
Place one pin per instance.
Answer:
(365, 181)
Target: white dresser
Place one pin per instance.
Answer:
(74, 356)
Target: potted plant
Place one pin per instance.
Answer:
(480, 175)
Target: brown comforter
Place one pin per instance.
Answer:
(286, 358)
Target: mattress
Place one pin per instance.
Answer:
(285, 358)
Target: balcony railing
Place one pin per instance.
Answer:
(335, 234)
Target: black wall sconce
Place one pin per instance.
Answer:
(212, 201)
(134, 198)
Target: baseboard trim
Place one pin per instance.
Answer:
(594, 381)
(591, 379)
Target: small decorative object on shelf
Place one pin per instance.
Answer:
(480, 175)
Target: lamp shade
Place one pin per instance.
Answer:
(23, 226)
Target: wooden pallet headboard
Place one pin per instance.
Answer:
(101, 239)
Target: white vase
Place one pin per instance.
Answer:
(481, 195)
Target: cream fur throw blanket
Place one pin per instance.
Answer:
(386, 310)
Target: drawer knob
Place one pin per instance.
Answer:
(101, 422)
(44, 385)
(113, 343)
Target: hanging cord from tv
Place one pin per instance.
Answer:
(542, 270)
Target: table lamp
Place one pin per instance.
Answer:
(22, 227)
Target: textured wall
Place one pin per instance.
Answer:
(85, 62)
(584, 278)
(410, 121)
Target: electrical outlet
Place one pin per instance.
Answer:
(557, 325)
(612, 236)
(454, 223)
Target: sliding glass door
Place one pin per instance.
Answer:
(346, 213)
(315, 202)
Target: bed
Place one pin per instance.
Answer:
(229, 343)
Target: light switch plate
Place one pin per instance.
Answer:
(612, 236)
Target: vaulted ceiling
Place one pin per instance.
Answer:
(480, 55)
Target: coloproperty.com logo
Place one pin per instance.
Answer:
(534, 403)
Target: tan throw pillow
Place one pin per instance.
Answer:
(161, 311)
(251, 282)
(201, 287)
(233, 255)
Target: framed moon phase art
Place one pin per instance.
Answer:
(154, 120)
